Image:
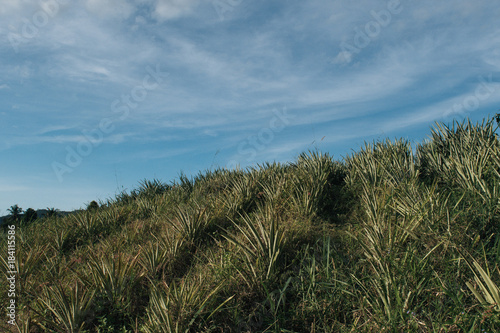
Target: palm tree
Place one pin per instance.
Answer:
(15, 212)
(52, 212)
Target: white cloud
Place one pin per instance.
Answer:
(75, 139)
(9, 188)
(55, 128)
(10, 6)
(172, 9)
(224, 82)
(151, 154)
(454, 107)
(210, 132)
(343, 58)
(110, 8)
(84, 69)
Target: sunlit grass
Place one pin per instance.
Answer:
(372, 242)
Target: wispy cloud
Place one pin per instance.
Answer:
(171, 9)
(55, 128)
(16, 141)
(110, 8)
(225, 77)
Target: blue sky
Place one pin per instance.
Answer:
(96, 95)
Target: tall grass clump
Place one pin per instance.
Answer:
(117, 282)
(381, 164)
(465, 159)
(316, 179)
(398, 216)
(262, 242)
(181, 307)
(240, 196)
(159, 257)
(190, 222)
(64, 309)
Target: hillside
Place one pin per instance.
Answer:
(386, 240)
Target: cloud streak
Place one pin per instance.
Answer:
(225, 78)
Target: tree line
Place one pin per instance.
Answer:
(18, 215)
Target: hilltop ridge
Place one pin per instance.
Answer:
(387, 239)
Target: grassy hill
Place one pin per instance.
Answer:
(385, 240)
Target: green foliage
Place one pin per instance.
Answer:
(15, 211)
(313, 178)
(190, 222)
(158, 257)
(177, 307)
(15, 215)
(52, 212)
(64, 310)
(29, 216)
(373, 242)
(117, 282)
(262, 243)
(93, 205)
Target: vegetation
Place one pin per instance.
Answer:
(15, 213)
(29, 216)
(387, 240)
(93, 205)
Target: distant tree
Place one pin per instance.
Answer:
(93, 205)
(52, 212)
(30, 215)
(15, 213)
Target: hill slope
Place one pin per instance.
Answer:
(385, 240)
